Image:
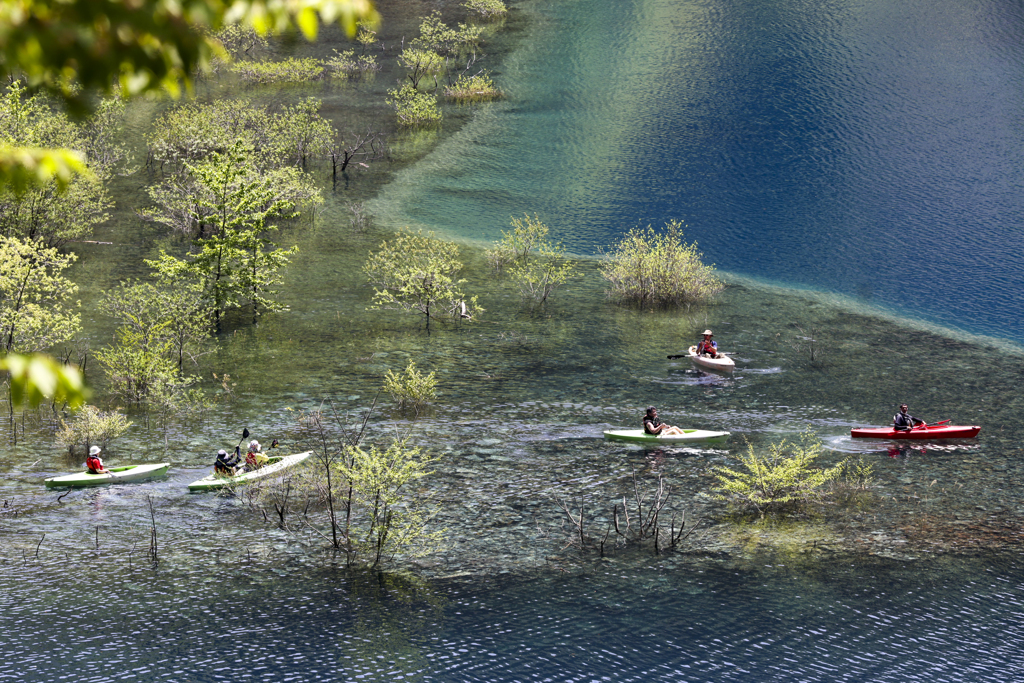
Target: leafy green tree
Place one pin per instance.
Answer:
(194, 131)
(233, 259)
(418, 273)
(138, 361)
(515, 245)
(36, 310)
(72, 48)
(178, 312)
(784, 476)
(303, 133)
(421, 63)
(450, 43)
(537, 279)
(650, 269)
(159, 326)
(390, 520)
(54, 213)
(272, 140)
(91, 426)
(439, 49)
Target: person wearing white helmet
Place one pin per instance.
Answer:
(93, 462)
(707, 346)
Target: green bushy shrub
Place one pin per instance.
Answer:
(414, 108)
(91, 426)
(649, 269)
(785, 476)
(489, 9)
(478, 88)
(411, 388)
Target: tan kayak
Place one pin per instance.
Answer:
(721, 362)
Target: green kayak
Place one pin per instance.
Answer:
(688, 435)
(275, 465)
(117, 475)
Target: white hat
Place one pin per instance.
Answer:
(709, 332)
(254, 445)
(95, 450)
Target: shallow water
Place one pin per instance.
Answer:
(887, 584)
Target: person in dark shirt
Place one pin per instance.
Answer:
(652, 425)
(904, 421)
(227, 464)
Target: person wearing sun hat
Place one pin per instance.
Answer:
(707, 346)
(93, 462)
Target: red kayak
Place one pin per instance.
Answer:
(928, 432)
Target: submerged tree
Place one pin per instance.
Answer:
(177, 311)
(651, 269)
(537, 266)
(419, 273)
(389, 520)
(785, 476)
(54, 213)
(232, 258)
(36, 310)
(90, 426)
(411, 389)
(414, 108)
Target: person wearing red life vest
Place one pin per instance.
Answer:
(707, 346)
(93, 462)
(254, 458)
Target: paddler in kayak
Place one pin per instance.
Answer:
(652, 425)
(93, 463)
(707, 346)
(227, 465)
(254, 458)
(903, 421)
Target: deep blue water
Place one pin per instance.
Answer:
(782, 619)
(869, 149)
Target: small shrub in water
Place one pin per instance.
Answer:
(413, 107)
(784, 476)
(489, 9)
(411, 388)
(287, 70)
(478, 88)
(91, 426)
(650, 269)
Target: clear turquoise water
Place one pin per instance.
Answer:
(790, 137)
(869, 149)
